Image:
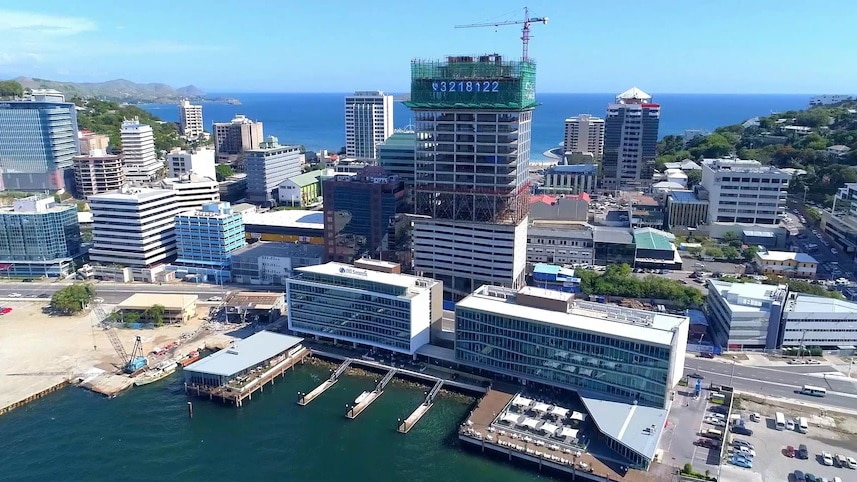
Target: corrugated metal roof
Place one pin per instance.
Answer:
(307, 178)
(245, 353)
(649, 238)
(634, 426)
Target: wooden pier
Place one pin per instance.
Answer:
(305, 398)
(237, 395)
(421, 410)
(353, 412)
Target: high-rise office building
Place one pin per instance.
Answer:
(232, 138)
(584, 134)
(269, 166)
(197, 161)
(38, 237)
(138, 151)
(96, 172)
(192, 191)
(473, 118)
(38, 139)
(368, 122)
(744, 191)
(630, 140)
(190, 119)
(206, 237)
(360, 213)
(133, 227)
(396, 155)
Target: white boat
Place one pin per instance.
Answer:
(158, 372)
(361, 397)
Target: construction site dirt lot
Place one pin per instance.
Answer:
(827, 432)
(38, 351)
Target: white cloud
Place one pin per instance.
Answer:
(37, 24)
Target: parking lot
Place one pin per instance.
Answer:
(685, 423)
(770, 460)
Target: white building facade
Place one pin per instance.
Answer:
(190, 119)
(138, 152)
(337, 301)
(817, 321)
(192, 192)
(199, 162)
(584, 134)
(368, 123)
(556, 242)
(745, 316)
(134, 227)
(744, 191)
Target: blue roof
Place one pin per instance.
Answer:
(684, 197)
(574, 168)
(544, 268)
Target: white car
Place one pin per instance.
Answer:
(851, 462)
(15, 295)
(743, 449)
(790, 425)
(215, 298)
(826, 458)
(98, 300)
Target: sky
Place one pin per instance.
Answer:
(664, 46)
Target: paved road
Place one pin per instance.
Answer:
(778, 381)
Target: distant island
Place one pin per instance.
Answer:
(125, 91)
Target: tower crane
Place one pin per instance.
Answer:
(525, 31)
(130, 363)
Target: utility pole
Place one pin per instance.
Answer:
(732, 376)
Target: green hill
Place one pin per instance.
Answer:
(119, 90)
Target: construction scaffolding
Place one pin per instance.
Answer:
(473, 82)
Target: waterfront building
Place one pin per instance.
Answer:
(616, 359)
(232, 138)
(819, 321)
(192, 191)
(272, 263)
(684, 209)
(288, 226)
(360, 305)
(178, 308)
(560, 242)
(138, 152)
(205, 239)
(358, 213)
(396, 155)
(133, 227)
(302, 190)
(786, 263)
(90, 141)
(96, 172)
(744, 315)
(570, 179)
(190, 120)
(197, 161)
(630, 140)
(38, 237)
(368, 122)
(584, 134)
(744, 191)
(267, 167)
(473, 122)
(38, 139)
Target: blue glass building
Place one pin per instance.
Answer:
(205, 238)
(38, 139)
(38, 237)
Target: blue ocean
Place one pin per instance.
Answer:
(317, 121)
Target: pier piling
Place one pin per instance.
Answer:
(190, 409)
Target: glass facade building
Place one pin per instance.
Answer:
(337, 301)
(595, 349)
(38, 238)
(205, 239)
(38, 141)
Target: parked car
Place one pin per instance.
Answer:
(745, 451)
(799, 477)
(810, 478)
(15, 295)
(741, 461)
(742, 443)
(790, 425)
(706, 354)
(826, 458)
(802, 452)
(696, 375)
(755, 417)
(790, 451)
(741, 430)
(5, 310)
(851, 462)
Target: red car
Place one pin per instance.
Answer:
(5, 310)
(790, 451)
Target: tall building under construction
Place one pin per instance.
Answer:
(472, 127)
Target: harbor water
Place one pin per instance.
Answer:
(146, 435)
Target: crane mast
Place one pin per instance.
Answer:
(525, 30)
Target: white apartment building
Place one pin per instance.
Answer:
(190, 119)
(368, 123)
(817, 321)
(133, 227)
(199, 162)
(584, 134)
(560, 242)
(744, 191)
(366, 307)
(192, 191)
(745, 315)
(138, 152)
(97, 172)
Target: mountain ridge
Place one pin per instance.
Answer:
(120, 90)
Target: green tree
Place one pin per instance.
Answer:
(130, 318)
(750, 253)
(223, 171)
(813, 118)
(11, 89)
(72, 299)
(156, 314)
(731, 253)
(714, 252)
(694, 177)
(670, 145)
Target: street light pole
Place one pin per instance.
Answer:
(732, 376)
